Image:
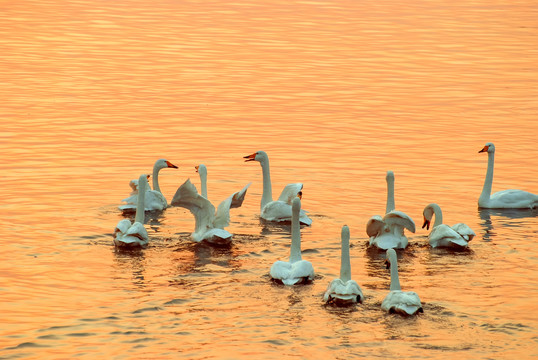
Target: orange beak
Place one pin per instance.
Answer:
(300, 195)
(196, 167)
(484, 149)
(170, 165)
(250, 157)
(426, 224)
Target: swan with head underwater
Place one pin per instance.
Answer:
(442, 235)
(343, 290)
(155, 200)
(398, 301)
(505, 199)
(278, 210)
(209, 225)
(127, 235)
(296, 270)
(388, 232)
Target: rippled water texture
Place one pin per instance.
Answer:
(337, 93)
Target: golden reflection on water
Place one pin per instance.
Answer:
(336, 94)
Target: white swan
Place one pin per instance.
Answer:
(398, 301)
(209, 225)
(443, 235)
(505, 199)
(279, 210)
(127, 235)
(388, 232)
(155, 200)
(343, 290)
(296, 270)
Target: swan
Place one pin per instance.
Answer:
(209, 225)
(443, 235)
(155, 200)
(279, 210)
(127, 235)
(398, 301)
(296, 270)
(388, 232)
(505, 199)
(343, 290)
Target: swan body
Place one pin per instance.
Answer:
(154, 199)
(209, 225)
(343, 290)
(398, 301)
(443, 235)
(296, 270)
(505, 199)
(388, 232)
(127, 235)
(278, 210)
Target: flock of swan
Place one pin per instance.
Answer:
(386, 233)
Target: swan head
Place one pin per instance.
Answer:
(428, 214)
(257, 156)
(201, 169)
(390, 176)
(391, 257)
(489, 148)
(163, 163)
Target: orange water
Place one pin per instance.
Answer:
(93, 92)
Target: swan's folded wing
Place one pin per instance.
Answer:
(239, 197)
(187, 197)
(444, 236)
(290, 192)
(402, 302)
(348, 290)
(399, 218)
(464, 230)
(374, 226)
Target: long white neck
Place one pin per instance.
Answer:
(394, 278)
(390, 195)
(267, 195)
(156, 170)
(140, 204)
(438, 214)
(203, 182)
(345, 264)
(488, 182)
(295, 251)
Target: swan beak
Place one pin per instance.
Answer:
(300, 195)
(484, 149)
(250, 157)
(426, 224)
(196, 167)
(170, 165)
(387, 264)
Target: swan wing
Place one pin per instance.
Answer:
(375, 225)
(222, 217)
(213, 236)
(239, 197)
(290, 192)
(290, 274)
(280, 211)
(347, 291)
(187, 197)
(389, 240)
(136, 235)
(396, 217)
(444, 236)
(464, 230)
(514, 199)
(402, 302)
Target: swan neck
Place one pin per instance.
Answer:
(488, 182)
(394, 278)
(438, 215)
(140, 204)
(156, 179)
(267, 195)
(390, 197)
(203, 181)
(345, 263)
(295, 251)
